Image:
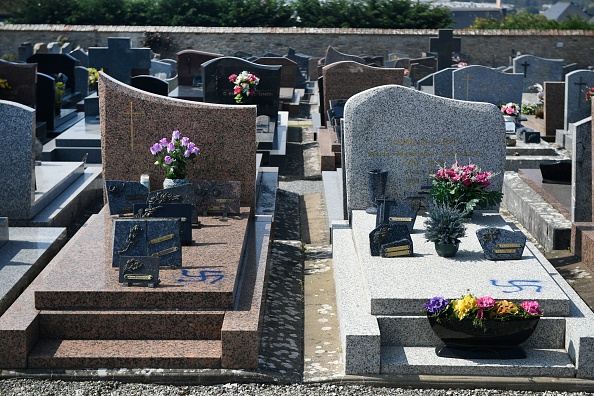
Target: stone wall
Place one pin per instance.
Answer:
(487, 47)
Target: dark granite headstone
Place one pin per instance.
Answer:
(22, 78)
(333, 56)
(147, 237)
(556, 172)
(189, 66)
(444, 46)
(385, 234)
(218, 89)
(400, 248)
(119, 59)
(418, 71)
(25, 50)
(139, 269)
(301, 60)
(122, 195)
(501, 244)
(81, 55)
(289, 70)
(217, 196)
(46, 100)
(531, 137)
(151, 84)
(393, 211)
(183, 212)
(54, 64)
(181, 194)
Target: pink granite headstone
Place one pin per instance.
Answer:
(133, 120)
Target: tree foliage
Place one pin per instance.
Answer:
(525, 20)
(387, 14)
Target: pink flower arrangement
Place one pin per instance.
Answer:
(589, 94)
(174, 155)
(510, 109)
(245, 85)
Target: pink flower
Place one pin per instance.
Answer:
(164, 142)
(485, 302)
(532, 307)
(236, 90)
(195, 150)
(175, 135)
(155, 148)
(232, 77)
(171, 147)
(187, 153)
(168, 159)
(184, 141)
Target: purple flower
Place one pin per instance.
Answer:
(435, 305)
(175, 135)
(195, 150)
(171, 147)
(185, 141)
(168, 159)
(164, 142)
(187, 153)
(155, 148)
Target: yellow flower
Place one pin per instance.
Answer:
(4, 84)
(505, 307)
(462, 307)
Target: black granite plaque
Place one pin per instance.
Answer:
(122, 195)
(181, 194)
(385, 234)
(501, 244)
(400, 248)
(147, 237)
(531, 137)
(142, 270)
(217, 196)
(392, 211)
(169, 210)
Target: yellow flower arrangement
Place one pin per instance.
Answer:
(4, 84)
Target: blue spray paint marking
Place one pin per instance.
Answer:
(203, 276)
(518, 285)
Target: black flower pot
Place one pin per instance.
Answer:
(496, 340)
(446, 249)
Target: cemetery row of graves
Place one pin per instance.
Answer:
(172, 272)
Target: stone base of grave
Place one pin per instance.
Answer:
(330, 149)
(543, 220)
(529, 155)
(380, 301)
(82, 140)
(203, 315)
(273, 146)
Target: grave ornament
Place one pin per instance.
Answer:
(393, 211)
(501, 244)
(122, 195)
(139, 269)
(390, 240)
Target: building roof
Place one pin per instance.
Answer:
(562, 10)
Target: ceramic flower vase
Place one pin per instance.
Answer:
(497, 339)
(446, 249)
(170, 183)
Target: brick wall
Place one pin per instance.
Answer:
(488, 47)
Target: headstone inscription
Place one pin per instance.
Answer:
(122, 195)
(17, 128)
(333, 56)
(218, 88)
(189, 66)
(444, 45)
(139, 269)
(221, 132)
(483, 84)
(501, 244)
(415, 133)
(577, 107)
(22, 78)
(217, 196)
(390, 240)
(119, 59)
(537, 70)
(147, 237)
(581, 172)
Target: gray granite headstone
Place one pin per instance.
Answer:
(581, 174)
(172, 66)
(501, 244)
(17, 191)
(122, 195)
(54, 48)
(81, 80)
(159, 68)
(119, 58)
(442, 82)
(483, 84)
(81, 55)
(537, 70)
(333, 56)
(25, 50)
(147, 237)
(4, 231)
(410, 134)
(139, 269)
(576, 106)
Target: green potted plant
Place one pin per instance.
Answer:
(444, 226)
(463, 187)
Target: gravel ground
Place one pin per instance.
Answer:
(17, 387)
(302, 187)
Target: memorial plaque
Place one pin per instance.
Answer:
(385, 234)
(217, 196)
(400, 248)
(392, 211)
(181, 194)
(139, 269)
(183, 212)
(501, 244)
(147, 237)
(531, 137)
(122, 195)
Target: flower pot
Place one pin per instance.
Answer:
(170, 183)
(446, 249)
(496, 340)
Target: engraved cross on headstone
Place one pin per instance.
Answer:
(216, 78)
(119, 58)
(132, 113)
(467, 79)
(525, 65)
(580, 93)
(444, 45)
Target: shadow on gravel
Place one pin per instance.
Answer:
(293, 168)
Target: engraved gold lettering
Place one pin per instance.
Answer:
(166, 251)
(138, 277)
(398, 254)
(504, 251)
(126, 209)
(162, 239)
(222, 200)
(396, 249)
(508, 245)
(400, 218)
(215, 208)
